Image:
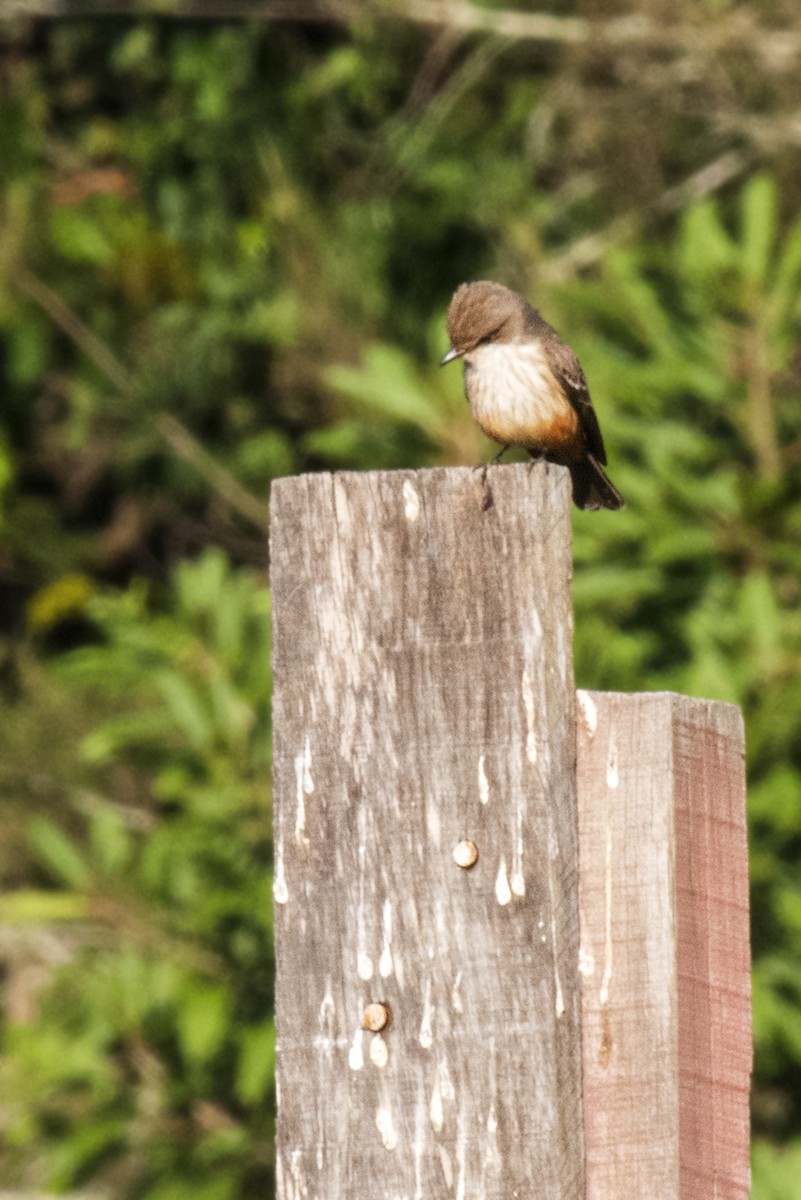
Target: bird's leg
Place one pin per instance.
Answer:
(484, 467)
(486, 494)
(537, 456)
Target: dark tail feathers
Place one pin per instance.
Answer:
(592, 488)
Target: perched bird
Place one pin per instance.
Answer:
(526, 386)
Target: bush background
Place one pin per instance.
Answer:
(226, 251)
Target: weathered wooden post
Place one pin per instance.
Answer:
(429, 1002)
(665, 947)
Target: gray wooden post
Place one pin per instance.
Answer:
(424, 699)
(424, 721)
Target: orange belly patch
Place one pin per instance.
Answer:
(517, 401)
(562, 439)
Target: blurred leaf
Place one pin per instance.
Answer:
(65, 598)
(203, 1022)
(110, 840)
(76, 1158)
(59, 854)
(40, 908)
(387, 384)
(776, 1171)
(704, 246)
(184, 707)
(78, 237)
(256, 1062)
(759, 227)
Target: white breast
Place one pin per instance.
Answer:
(513, 393)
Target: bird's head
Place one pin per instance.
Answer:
(481, 313)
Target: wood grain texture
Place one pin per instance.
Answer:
(424, 695)
(664, 947)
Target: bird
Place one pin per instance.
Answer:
(526, 387)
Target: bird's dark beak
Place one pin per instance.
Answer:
(450, 356)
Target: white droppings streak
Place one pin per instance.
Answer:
(411, 501)
(483, 782)
(420, 1143)
(447, 1167)
(491, 1155)
(327, 1011)
(356, 1052)
(530, 707)
(303, 787)
(324, 1044)
(456, 995)
(385, 961)
(280, 891)
(589, 712)
(611, 765)
(517, 879)
(586, 962)
(425, 1037)
(294, 1186)
(559, 1005)
(435, 1107)
(433, 823)
(603, 995)
(300, 814)
(379, 1051)
(443, 1093)
(386, 1126)
(461, 1145)
(308, 782)
(503, 893)
(364, 963)
(342, 506)
(559, 1001)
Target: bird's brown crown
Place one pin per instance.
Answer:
(483, 310)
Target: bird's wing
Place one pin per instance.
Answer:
(568, 372)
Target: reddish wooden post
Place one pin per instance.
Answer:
(664, 947)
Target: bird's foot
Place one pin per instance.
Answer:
(537, 456)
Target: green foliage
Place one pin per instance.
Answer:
(160, 1027)
(775, 1171)
(225, 255)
